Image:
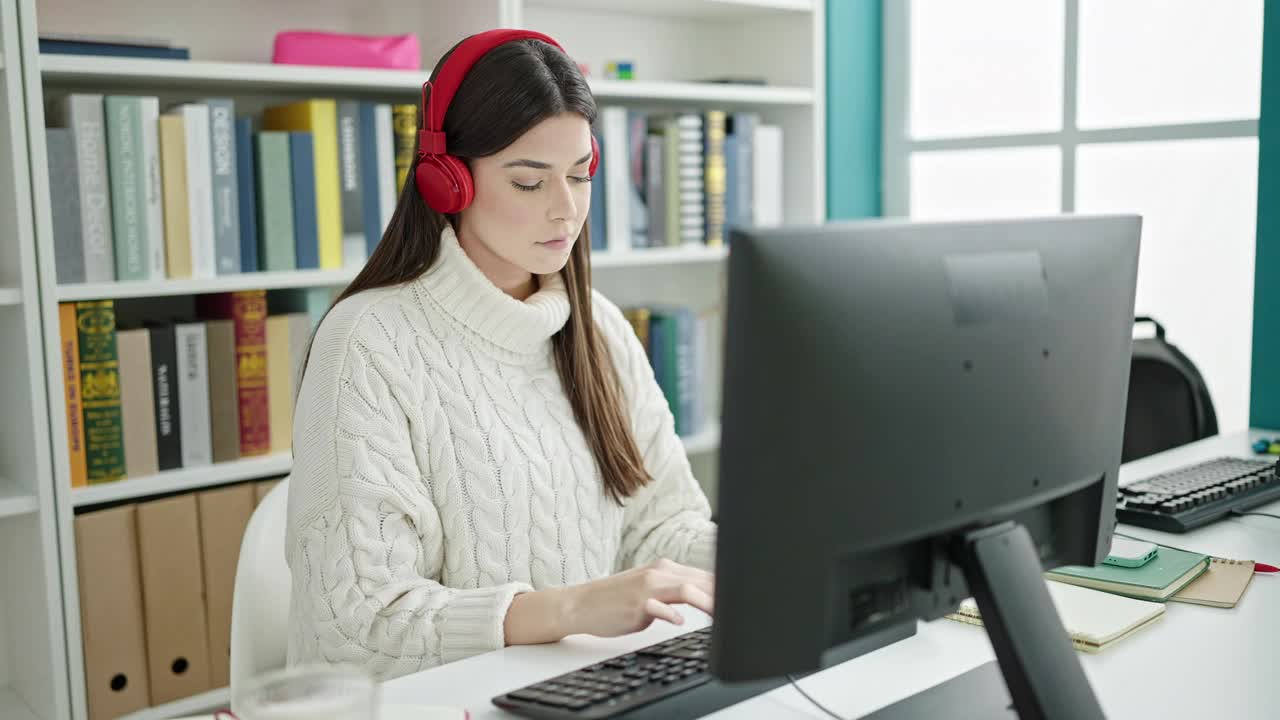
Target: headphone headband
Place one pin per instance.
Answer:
(431, 139)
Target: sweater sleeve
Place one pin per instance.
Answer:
(671, 516)
(364, 539)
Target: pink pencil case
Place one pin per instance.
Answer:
(302, 47)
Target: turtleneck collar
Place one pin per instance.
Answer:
(464, 292)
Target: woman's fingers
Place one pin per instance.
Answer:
(655, 608)
(689, 594)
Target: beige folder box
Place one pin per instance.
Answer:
(224, 513)
(173, 598)
(115, 651)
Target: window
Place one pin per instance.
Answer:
(1003, 107)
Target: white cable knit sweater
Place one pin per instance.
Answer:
(438, 471)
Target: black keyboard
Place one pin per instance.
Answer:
(1196, 495)
(619, 684)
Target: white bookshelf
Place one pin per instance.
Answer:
(678, 46)
(12, 707)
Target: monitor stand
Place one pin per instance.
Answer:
(1039, 675)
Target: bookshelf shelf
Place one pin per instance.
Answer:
(658, 256)
(12, 707)
(199, 286)
(10, 296)
(192, 75)
(211, 700)
(185, 479)
(699, 9)
(14, 501)
(706, 441)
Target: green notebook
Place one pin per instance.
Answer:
(1167, 573)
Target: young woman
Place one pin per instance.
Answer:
(481, 454)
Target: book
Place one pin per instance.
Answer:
(223, 184)
(714, 176)
(177, 208)
(64, 205)
(168, 412)
(302, 172)
(83, 113)
(386, 154)
(280, 380)
(247, 190)
(194, 423)
(224, 396)
(204, 254)
(1094, 620)
(370, 186)
(1160, 578)
(276, 243)
(1222, 585)
(766, 173)
(153, 188)
(320, 118)
(404, 127)
(137, 402)
(100, 391)
(50, 46)
(247, 309)
(351, 184)
(128, 186)
(69, 352)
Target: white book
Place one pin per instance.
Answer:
(385, 138)
(617, 180)
(766, 173)
(153, 201)
(204, 254)
(193, 394)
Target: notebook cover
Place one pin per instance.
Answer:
(1166, 568)
(1095, 620)
(1222, 585)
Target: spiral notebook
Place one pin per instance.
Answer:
(1095, 620)
(1222, 585)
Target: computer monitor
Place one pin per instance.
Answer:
(913, 414)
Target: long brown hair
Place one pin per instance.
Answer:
(508, 91)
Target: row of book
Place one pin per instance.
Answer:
(156, 581)
(195, 191)
(181, 393)
(689, 177)
(676, 341)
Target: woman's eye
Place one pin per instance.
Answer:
(580, 179)
(526, 188)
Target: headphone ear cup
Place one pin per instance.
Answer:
(595, 156)
(444, 182)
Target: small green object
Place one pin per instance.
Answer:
(1274, 449)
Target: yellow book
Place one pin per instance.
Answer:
(177, 221)
(70, 351)
(320, 118)
(279, 383)
(405, 132)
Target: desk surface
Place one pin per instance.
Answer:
(1196, 662)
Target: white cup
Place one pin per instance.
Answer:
(309, 693)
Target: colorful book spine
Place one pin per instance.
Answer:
(247, 309)
(247, 190)
(714, 176)
(64, 202)
(320, 118)
(386, 164)
(405, 129)
(84, 114)
(351, 184)
(128, 186)
(69, 350)
(177, 208)
(276, 244)
(223, 177)
(308, 252)
(168, 405)
(371, 212)
(100, 390)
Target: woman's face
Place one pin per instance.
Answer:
(531, 200)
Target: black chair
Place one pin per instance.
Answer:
(1169, 403)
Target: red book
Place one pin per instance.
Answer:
(247, 309)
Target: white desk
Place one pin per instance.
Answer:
(1197, 662)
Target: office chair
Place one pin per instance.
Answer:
(260, 604)
(1169, 403)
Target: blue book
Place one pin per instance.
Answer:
(303, 173)
(247, 189)
(69, 47)
(369, 179)
(599, 234)
(223, 161)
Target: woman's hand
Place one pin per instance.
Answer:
(617, 605)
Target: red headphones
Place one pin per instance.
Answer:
(443, 180)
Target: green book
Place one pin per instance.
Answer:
(1167, 573)
(100, 390)
(128, 186)
(275, 201)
